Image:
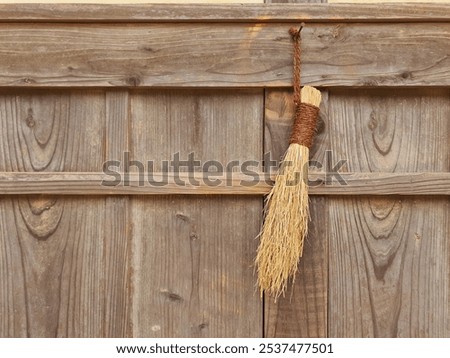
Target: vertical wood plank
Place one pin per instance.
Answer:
(117, 248)
(389, 274)
(389, 257)
(35, 137)
(378, 131)
(303, 312)
(193, 274)
(54, 250)
(193, 256)
(13, 303)
(30, 143)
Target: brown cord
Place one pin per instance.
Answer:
(296, 37)
(304, 126)
(306, 114)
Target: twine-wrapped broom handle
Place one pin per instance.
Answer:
(306, 114)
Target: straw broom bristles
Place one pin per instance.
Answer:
(286, 216)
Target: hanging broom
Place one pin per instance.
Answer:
(287, 207)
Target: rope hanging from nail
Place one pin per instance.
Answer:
(296, 37)
(304, 127)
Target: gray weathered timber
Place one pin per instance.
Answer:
(117, 245)
(193, 260)
(79, 259)
(222, 55)
(224, 13)
(193, 256)
(224, 184)
(389, 267)
(303, 312)
(389, 256)
(63, 259)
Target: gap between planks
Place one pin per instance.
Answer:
(228, 183)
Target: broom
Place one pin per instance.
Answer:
(287, 208)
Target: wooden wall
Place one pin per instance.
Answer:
(375, 265)
(362, 272)
(128, 266)
(78, 89)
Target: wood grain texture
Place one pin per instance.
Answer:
(389, 257)
(193, 267)
(193, 257)
(126, 2)
(224, 184)
(377, 131)
(117, 245)
(54, 250)
(295, 1)
(389, 267)
(384, 1)
(224, 13)
(303, 312)
(222, 55)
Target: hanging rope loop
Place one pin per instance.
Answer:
(296, 37)
(306, 114)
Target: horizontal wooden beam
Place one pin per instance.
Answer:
(224, 13)
(222, 55)
(237, 183)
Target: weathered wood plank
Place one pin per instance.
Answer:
(377, 131)
(224, 13)
(116, 246)
(237, 184)
(389, 257)
(193, 257)
(54, 250)
(389, 267)
(193, 274)
(303, 312)
(295, 1)
(13, 298)
(50, 271)
(222, 55)
(34, 137)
